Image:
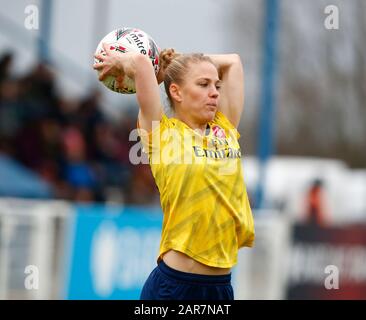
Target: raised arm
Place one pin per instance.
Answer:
(139, 68)
(231, 73)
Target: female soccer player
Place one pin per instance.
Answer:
(195, 159)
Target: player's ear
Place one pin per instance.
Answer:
(175, 92)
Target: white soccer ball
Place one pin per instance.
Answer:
(128, 40)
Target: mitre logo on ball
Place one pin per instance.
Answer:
(128, 40)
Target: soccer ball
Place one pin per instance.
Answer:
(129, 40)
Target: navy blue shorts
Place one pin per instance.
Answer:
(165, 283)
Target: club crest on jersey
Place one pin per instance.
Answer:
(218, 132)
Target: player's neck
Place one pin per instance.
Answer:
(193, 124)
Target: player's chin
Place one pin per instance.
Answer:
(210, 114)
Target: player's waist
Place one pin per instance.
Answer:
(183, 263)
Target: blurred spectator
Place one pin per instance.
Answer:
(142, 188)
(6, 61)
(77, 172)
(70, 143)
(315, 211)
(39, 92)
(89, 113)
(10, 113)
(84, 195)
(28, 144)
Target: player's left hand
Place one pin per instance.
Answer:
(110, 64)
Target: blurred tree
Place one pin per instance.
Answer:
(322, 81)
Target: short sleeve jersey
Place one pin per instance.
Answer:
(203, 196)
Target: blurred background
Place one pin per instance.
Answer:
(80, 220)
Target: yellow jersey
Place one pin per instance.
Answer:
(203, 196)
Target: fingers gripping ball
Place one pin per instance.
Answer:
(128, 40)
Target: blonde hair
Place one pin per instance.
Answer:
(175, 66)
